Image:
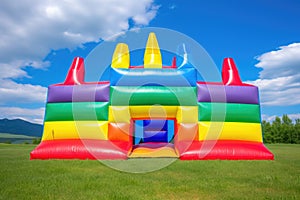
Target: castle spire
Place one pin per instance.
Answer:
(75, 74)
(152, 56)
(121, 57)
(230, 73)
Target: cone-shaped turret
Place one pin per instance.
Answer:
(230, 74)
(183, 52)
(152, 56)
(75, 75)
(121, 57)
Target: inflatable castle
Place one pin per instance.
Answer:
(152, 111)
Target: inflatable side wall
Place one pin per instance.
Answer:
(152, 111)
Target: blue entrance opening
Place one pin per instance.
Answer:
(153, 130)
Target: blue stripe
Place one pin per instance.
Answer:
(167, 77)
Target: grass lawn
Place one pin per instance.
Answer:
(21, 178)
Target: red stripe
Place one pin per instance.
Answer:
(103, 149)
(223, 150)
(81, 149)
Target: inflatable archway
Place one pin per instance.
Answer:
(173, 115)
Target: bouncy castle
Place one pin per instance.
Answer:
(152, 111)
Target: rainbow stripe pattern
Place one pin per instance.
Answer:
(152, 111)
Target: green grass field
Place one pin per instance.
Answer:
(21, 178)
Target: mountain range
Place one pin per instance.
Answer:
(20, 127)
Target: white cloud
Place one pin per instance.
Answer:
(16, 68)
(145, 15)
(11, 91)
(31, 115)
(279, 80)
(29, 29)
(280, 63)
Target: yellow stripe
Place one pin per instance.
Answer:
(121, 57)
(187, 114)
(123, 114)
(152, 56)
(119, 114)
(183, 114)
(230, 131)
(148, 152)
(155, 111)
(56, 130)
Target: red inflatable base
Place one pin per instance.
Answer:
(223, 150)
(81, 149)
(103, 149)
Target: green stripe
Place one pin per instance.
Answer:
(76, 111)
(229, 112)
(151, 95)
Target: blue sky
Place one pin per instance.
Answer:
(40, 38)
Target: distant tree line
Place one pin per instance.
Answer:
(281, 130)
(37, 141)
